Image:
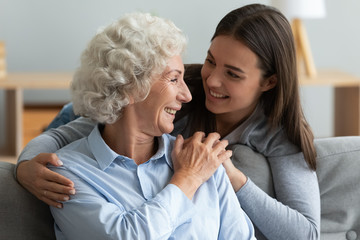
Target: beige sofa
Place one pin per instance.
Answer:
(22, 216)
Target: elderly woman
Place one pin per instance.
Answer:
(131, 82)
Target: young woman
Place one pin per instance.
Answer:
(249, 93)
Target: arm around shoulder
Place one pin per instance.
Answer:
(56, 138)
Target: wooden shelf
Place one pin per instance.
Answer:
(36, 81)
(332, 78)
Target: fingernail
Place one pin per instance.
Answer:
(59, 206)
(66, 198)
(60, 162)
(72, 191)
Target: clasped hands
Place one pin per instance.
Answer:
(196, 159)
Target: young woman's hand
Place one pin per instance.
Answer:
(237, 177)
(196, 159)
(46, 185)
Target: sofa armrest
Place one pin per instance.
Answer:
(338, 172)
(22, 216)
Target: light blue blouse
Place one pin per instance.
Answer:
(117, 199)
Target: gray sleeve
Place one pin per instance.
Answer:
(294, 213)
(54, 139)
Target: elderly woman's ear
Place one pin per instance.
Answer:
(131, 100)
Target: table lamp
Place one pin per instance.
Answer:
(295, 10)
(2, 61)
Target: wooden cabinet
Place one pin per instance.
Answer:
(36, 118)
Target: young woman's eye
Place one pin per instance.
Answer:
(210, 61)
(233, 75)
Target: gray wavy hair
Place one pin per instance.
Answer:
(119, 63)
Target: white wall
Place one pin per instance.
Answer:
(335, 43)
(48, 35)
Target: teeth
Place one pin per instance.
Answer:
(217, 95)
(170, 111)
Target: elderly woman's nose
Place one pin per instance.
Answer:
(184, 93)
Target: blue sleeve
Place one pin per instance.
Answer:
(88, 215)
(234, 223)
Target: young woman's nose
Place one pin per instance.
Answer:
(213, 78)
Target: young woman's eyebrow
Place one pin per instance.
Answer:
(234, 68)
(227, 65)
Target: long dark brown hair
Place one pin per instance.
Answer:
(266, 32)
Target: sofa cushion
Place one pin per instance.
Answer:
(22, 216)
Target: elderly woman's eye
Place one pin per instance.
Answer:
(174, 80)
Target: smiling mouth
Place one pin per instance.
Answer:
(170, 111)
(217, 95)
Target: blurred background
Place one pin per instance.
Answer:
(48, 36)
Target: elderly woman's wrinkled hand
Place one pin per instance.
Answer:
(196, 159)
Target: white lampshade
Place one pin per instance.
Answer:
(301, 8)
